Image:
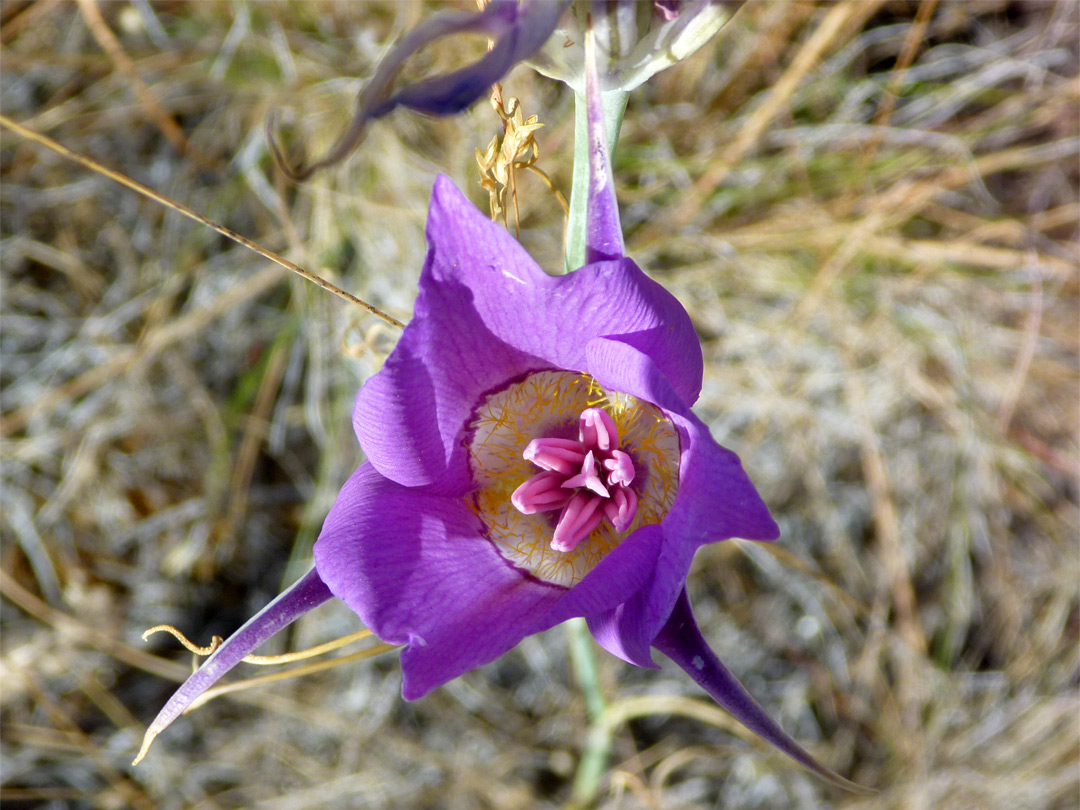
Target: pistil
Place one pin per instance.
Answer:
(588, 479)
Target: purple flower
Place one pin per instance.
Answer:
(463, 532)
(532, 457)
(505, 374)
(502, 368)
(500, 362)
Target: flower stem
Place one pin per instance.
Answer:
(594, 757)
(614, 102)
(584, 661)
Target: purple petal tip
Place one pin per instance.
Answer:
(603, 234)
(306, 593)
(682, 642)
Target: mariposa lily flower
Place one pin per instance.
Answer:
(532, 457)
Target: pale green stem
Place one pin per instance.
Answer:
(614, 106)
(598, 740)
(584, 662)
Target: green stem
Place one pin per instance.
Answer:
(595, 754)
(614, 102)
(584, 662)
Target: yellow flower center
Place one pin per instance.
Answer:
(548, 404)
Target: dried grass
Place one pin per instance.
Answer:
(886, 290)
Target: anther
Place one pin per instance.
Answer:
(578, 519)
(588, 479)
(597, 429)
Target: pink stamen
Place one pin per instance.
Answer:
(541, 493)
(620, 468)
(588, 479)
(597, 429)
(578, 519)
(621, 509)
(560, 455)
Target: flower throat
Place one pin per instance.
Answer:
(566, 470)
(588, 479)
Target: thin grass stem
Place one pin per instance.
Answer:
(296, 672)
(148, 192)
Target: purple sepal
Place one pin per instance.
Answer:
(682, 642)
(603, 230)
(520, 29)
(306, 593)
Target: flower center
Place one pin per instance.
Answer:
(566, 470)
(588, 479)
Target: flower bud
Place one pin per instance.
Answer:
(634, 39)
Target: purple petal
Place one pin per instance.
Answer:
(521, 30)
(416, 569)
(716, 501)
(306, 593)
(603, 230)
(628, 630)
(487, 314)
(682, 642)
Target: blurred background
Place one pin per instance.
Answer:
(870, 211)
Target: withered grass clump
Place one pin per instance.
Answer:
(870, 210)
